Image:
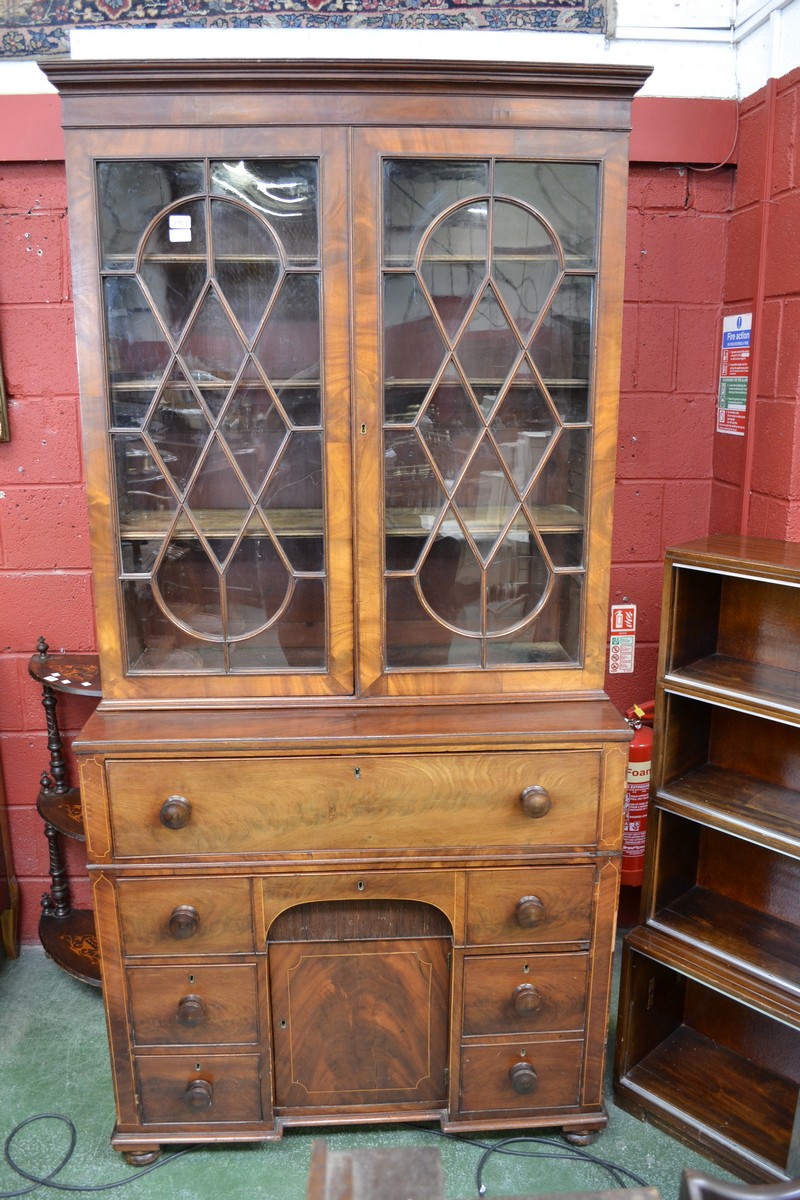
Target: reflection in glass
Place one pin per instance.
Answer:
(247, 263)
(485, 469)
(562, 346)
(130, 194)
(564, 193)
(256, 582)
(156, 644)
(178, 428)
(190, 587)
(253, 429)
(220, 494)
(284, 193)
(289, 347)
(419, 641)
(413, 348)
(297, 639)
(417, 192)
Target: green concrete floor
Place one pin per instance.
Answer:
(54, 1059)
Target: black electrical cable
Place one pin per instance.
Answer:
(49, 1181)
(563, 1151)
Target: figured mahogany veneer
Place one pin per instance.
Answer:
(353, 798)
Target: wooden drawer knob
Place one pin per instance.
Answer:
(526, 999)
(535, 801)
(191, 1012)
(184, 921)
(176, 811)
(529, 911)
(523, 1078)
(199, 1095)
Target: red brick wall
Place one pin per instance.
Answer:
(678, 221)
(45, 580)
(764, 233)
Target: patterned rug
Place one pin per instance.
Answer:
(40, 28)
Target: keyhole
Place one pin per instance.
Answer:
(357, 772)
(360, 885)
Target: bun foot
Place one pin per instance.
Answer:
(143, 1157)
(581, 1137)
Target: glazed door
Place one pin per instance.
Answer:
(488, 294)
(225, 450)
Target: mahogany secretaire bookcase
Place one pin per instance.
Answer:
(349, 352)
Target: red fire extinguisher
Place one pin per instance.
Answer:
(637, 793)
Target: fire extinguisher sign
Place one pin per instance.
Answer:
(622, 642)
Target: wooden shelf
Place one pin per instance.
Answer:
(751, 941)
(745, 685)
(63, 811)
(737, 804)
(71, 942)
(752, 1107)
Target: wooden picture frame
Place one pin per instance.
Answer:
(5, 431)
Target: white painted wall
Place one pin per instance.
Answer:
(697, 48)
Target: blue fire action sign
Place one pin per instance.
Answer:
(734, 374)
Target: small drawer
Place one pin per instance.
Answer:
(518, 993)
(194, 1005)
(212, 1089)
(186, 916)
(520, 1076)
(180, 807)
(539, 906)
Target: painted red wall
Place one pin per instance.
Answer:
(677, 275)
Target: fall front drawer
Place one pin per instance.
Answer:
(173, 807)
(205, 915)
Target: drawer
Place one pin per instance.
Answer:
(194, 1005)
(537, 905)
(521, 1076)
(186, 916)
(207, 1090)
(284, 805)
(524, 993)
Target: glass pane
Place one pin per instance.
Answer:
(247, 263)
(213, 352)
(217, 498)
(485, 498)
(562, 486)
(552, 637)
(145, 501)
(450, 428)
(565, 549)
(413, 347)
(285, 193)
(523, 427)
(289, 347)
(416, 192)
(488, 350)
(297, 640)
(455, 261)
(190, 587)
(562, 347)
(416, 640)
(414, 497)
(516, 579)
(137, 351)
(293, 496)
(179, 429)
(566, 196)
(156, 644)
(451, 579)
(256, 582)
(525, 264)
(130, 194)
(174, 264)
(253, 429)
